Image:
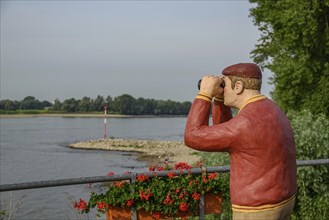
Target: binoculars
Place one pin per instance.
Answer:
(221, 85)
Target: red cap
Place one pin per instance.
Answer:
(250, 70)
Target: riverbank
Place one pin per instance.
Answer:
(152, 151)
(64, 115)
(84, 115)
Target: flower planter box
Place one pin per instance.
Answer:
(114, 212)
(212, 205)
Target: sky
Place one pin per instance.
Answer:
(149, 49)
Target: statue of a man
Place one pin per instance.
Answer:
(259, 139)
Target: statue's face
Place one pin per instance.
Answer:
(229, 94)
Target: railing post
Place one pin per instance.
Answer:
(201, 204)
(201, 214)
(133, 209)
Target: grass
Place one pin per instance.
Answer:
(24, 111)
(9, 207)
(215, 158)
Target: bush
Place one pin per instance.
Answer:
(312, 142)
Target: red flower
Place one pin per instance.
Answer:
(204, 179)
(183, 206)
(144, 195)
(110, 174)
(183, 195)
(168, 200)
(81, 205)
(119, 184)
(152, 168)
(142, 178)
(182, 166)
(156, 168)
(171, 174)
(101, 205)
(196, 196)
(212, 176)
(130, 202)
(161, 169)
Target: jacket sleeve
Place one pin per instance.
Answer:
(200, 136)
(220, 113)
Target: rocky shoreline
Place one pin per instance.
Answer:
(152, 151)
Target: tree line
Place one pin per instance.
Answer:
(124, 104)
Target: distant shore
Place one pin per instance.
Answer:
(83, 115)
(152, 151)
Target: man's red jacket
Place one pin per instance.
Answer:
(261, 145)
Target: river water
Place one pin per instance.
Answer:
(34, 149)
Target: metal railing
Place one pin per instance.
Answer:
(132, 178)
(99, 179)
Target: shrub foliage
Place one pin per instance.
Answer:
(312, 142)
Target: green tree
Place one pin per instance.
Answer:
(184, 108)
(171, 107)
(140, 107)
(29, 98)
(9, 105)
(99, 103)
(29, 102)
(109, 103)
(85, 104)
(149, 106)
(294, 45)
(70, 105)
(57, 106)
(46, 103)
(160, 108)
(125, 104)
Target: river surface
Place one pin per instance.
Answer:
(34, 149)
